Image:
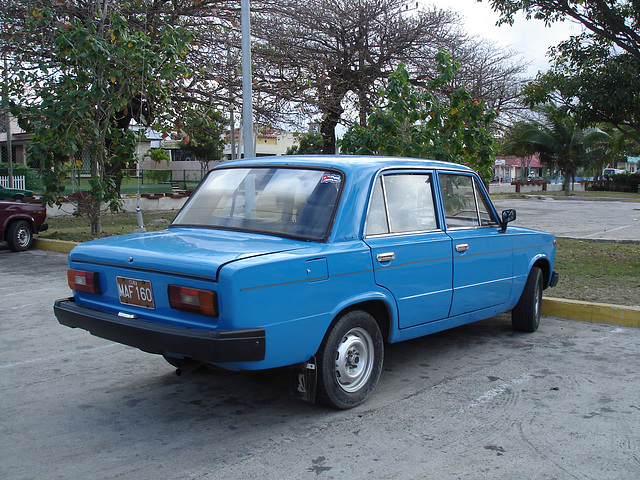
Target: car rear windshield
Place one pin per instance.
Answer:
(285, 201)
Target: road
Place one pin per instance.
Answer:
(477, 401)
(594, 220)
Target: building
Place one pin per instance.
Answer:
(507, 169)
(268, 142)
(186, 167)
(19, 138)
(629, 164)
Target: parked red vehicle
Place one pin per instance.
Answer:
(19, 221)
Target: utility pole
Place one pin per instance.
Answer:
(8, 130)
(247, 108)
(232, 120)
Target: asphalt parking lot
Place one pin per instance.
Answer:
(476, 401)
(607, 220)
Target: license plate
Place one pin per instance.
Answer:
(135, 292)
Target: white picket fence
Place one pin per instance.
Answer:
(18, 182)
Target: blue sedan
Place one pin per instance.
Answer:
(314, 263)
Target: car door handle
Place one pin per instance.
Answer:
(462, 247)
(385, 257)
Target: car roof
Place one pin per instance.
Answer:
(347, 163)
(360, 169)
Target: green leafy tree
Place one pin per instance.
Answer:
(308, 144)
(434, 121)
(203, 129)
(595, 75)
(81, 95)
(561, 143)
(612, 20)
(158, 155)
(598, 87)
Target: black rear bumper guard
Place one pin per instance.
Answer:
(211, 346)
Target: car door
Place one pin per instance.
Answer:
(481, 250)
(411, 254)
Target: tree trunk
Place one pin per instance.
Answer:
(567, 182)
(96, 223)
(328, 130)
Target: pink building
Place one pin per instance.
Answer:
(508, 169)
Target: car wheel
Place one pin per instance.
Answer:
(349, 360)
(525, 317)
(18, 198)
(20, 236)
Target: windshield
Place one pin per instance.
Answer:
(278, 200)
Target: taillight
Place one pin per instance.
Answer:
(82, 281)
(193, 300)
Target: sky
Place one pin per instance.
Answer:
(529, 38)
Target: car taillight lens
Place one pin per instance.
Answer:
(193, 300)
(82, 281)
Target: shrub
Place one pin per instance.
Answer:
(626, 182)
(158, 176)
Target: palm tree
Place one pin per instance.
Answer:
(558, 139)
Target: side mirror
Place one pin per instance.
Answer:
(507, 216)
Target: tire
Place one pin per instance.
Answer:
(349, 361)
(20, 236)
(525, 317)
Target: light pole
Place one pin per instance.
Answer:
(247, 108)
(8, 128)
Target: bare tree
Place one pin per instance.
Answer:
(331, 57)
(315, 52)
(494, 76)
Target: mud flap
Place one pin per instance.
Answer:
(303, 380)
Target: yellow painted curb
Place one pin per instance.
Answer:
(591, 312)
(61, 246)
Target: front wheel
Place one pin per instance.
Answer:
(350, 360)
(525, 317)
(20, 236)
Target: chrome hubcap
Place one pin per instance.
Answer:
(22, 237)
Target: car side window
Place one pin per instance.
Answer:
(484, 210)
(464, 203)
(377, 223)
(402, 203)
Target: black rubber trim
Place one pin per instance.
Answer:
(213, 346)
(555, 277)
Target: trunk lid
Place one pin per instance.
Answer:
(184, 251)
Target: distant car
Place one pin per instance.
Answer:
(18, 223)
(14, 193)
(613, 171)
(314, 263)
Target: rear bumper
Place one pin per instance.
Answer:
(212, 346)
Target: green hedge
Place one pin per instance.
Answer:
(158, 176)
(624, 182)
